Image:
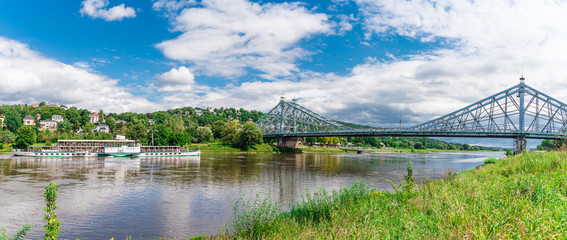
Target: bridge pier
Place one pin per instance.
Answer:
(289, 142)
(519, 145)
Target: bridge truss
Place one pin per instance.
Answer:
(518, 112)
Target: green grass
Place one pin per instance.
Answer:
(522, 197)
(216, 146)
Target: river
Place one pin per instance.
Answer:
(100, 198)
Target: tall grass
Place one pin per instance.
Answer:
(521, 197)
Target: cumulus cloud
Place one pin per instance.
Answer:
(176, 80)
(97, 9)
(28, 77)
(228, 37)
(171, 7)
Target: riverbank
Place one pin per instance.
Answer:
(524, 196)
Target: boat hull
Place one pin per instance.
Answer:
(168, 154)
(55, 154)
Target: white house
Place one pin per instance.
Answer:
(94, 118)
(29, 120)
(50, 125)
(102, 128)
(57, 118)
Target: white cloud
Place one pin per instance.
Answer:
(176, 80)
(97, 9)
(172, 7)
(228, 37)
(28, 77)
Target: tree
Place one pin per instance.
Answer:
(25, 136)
(13, 121)
(180, 139)
(217, 128)
(162, 135)
(6, 137)
(136, 132)
(250, 135)
(203, 134)
(231, 133)
(101, 116)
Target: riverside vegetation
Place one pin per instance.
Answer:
(520, 197)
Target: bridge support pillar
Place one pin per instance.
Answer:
(288, 142)
(519, 145)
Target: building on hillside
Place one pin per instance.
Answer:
(38, 115)
(47, 125)
(119, 137)
(102, 128)
(120, 121)
(187, 113)
(210, 109)
(94, 118)
(151, 121)
(199, 112)
(57, 118)
(29, 120)
(2, 118)
(35, 105)
(50, 104)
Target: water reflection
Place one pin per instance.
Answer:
(185, 196)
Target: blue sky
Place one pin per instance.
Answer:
(361, 61)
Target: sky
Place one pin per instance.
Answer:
(360, 61)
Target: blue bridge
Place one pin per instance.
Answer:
(519, 112)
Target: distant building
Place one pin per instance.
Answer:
(120, 121)
(29, 120)
(151, 121)
(57, 118)
(2, 118)
(94, 118)
(38, 115)
(119, 137)
(199, 112)
(47, 125)
(250, 120)
(210, 109)
(187, 113)
(55, 104)
(102, 128)
(35, 105)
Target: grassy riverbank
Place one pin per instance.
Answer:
(519, 197)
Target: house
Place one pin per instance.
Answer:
(35, 105)
(55, 104)
(38, 115)
(119, 137)
(57, 118)
(2, 117)
(94, 118)
(187, 113)
(120, 121)
(199, 112)
(151, 121)
(29, 120)
(102, 128)
(210, 109)
(50, 125)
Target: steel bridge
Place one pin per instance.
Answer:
(519, 112)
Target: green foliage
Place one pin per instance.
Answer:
(203, 134)
(231, 133)
(180, 139)
(136, 132)
(509, 152)
(490, 160)
(52, 226)
(249, 135)
(25, 136)
(217, 129)
(251, 219)
(17, 236)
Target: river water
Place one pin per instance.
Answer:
(100, 198)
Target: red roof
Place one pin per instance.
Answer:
(94, 115)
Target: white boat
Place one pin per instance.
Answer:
(52, 153)
(168, 154)
(121, 151)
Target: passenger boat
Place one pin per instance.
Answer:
(92, 148)
(51, 153)
(165, 151)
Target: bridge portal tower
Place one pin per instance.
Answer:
(520, 141)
